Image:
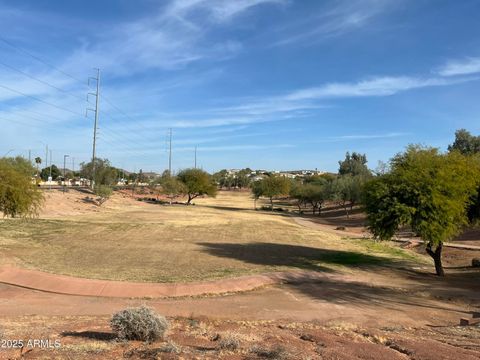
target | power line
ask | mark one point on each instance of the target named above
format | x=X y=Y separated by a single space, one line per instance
x=41 y=81
x=40 y=100
x=39 y=59
x=66 y=74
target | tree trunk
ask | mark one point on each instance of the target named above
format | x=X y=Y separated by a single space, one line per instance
x=346 y=210
x=437 y=257
x=189 y=199
x=271 y=204
x=255 y=203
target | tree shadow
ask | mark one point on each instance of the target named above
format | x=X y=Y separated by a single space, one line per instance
x=425 y=289
x=95 y=335
x=343 y=292
x=296 y=256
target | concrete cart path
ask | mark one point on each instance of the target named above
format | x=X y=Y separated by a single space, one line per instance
x=61 y=284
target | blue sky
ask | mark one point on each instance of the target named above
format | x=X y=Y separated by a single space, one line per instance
x=271 y=84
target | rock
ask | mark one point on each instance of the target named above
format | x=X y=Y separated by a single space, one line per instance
x=343 y=228
x=307 y=337
x=475 y=262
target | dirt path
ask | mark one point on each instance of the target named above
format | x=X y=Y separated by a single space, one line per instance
x=323 y=301
x=61 y=284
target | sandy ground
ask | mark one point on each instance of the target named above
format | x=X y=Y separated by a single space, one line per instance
x=395 y=313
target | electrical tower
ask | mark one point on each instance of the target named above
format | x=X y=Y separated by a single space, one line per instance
x=97 y=96
x=170 y=153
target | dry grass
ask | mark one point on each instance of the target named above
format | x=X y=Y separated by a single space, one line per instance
x=216 y=238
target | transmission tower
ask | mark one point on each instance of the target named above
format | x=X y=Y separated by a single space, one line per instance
x=97 y=96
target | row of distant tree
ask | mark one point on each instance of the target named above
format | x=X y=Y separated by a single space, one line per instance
x=313 y=192
x=436 y=194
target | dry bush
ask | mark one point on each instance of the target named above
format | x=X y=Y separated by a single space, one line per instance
x=229 y=341
x=141 y=323
x=170 y=347
x=277 y=352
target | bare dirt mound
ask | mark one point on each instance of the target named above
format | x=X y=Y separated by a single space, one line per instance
x=81 y=201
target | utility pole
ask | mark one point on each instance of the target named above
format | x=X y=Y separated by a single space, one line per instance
x=64 y=173
x=170 y=154
x=195 y=156
x=46 y=155
x=73 y=170
x=50 y=176
x=97 y=96
x=30 y=156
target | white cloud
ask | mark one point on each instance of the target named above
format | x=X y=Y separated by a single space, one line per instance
x=368 y=136
x=378 y=86
x=173 y=38
x=461 y=67
x=343 y=17
x=220 y=10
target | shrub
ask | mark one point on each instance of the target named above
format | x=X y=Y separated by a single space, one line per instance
x=103 y=192
x=277 y=352
x=170 y=347
x=141 y=323
x=18 y=196
x=229 y=342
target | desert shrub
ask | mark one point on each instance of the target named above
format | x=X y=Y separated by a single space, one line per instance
x=18 y=196
x=170 y=347
x=141 y=323
x=277 y=352
x=229 y=342
x=103 y=192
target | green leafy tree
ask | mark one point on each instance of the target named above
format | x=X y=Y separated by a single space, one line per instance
x=20 y=164
x=426 y=190
x=45 y=173
x=347 y=190
x=19 y=197
x=316 y=194
x=469 y=145
x=298 y=193
x=311 y=193
x=38 y=161
x=172 y=188
x=465 y=143
x=354 y=164
x=274 y=186
x=197 y=182
x=257 y=191
x=242 y=179
x=105 y=174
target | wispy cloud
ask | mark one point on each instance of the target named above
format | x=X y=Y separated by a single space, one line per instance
x=377 y=86
x=341 y=18
x=368 y=136
x=218 y=10
x=236 y=147
x=466 y=66
x=170 y=39
x=297 y=104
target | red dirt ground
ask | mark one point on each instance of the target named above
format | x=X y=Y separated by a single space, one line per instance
x=391 y=314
